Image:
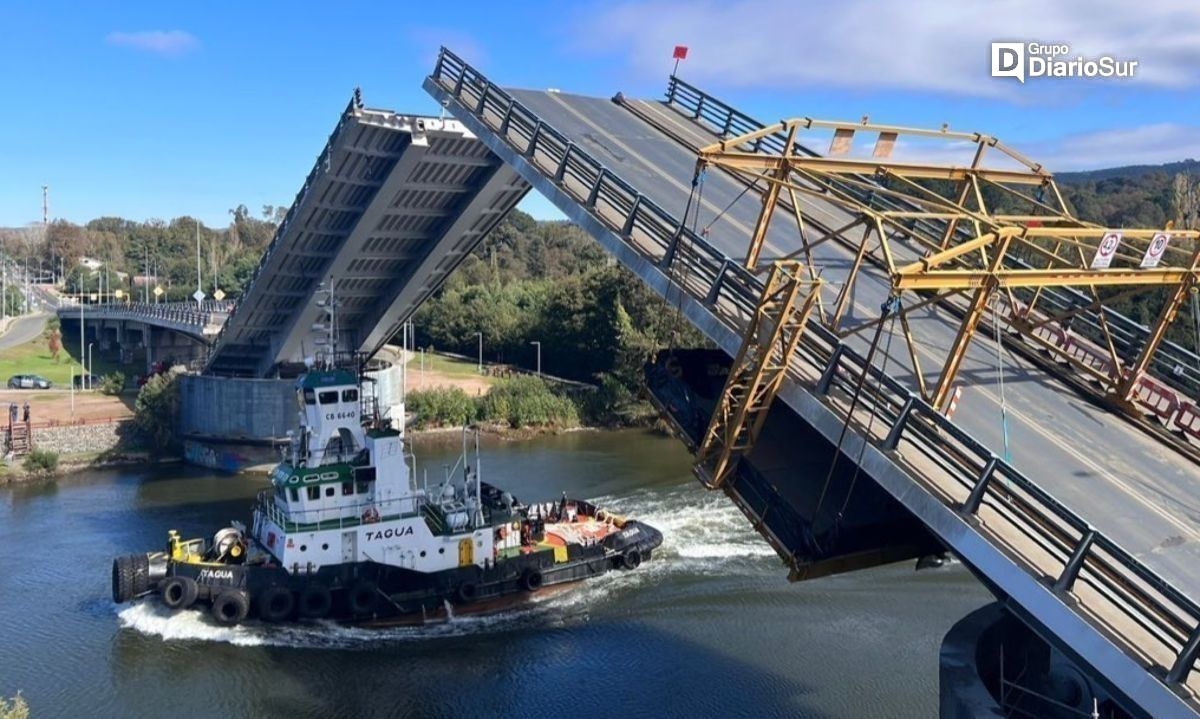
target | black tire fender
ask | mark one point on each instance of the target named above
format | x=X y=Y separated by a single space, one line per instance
x=140 y=564
x=631 y=559
x=230 y=607
x=315 y=602
x=122 y=579
x=532 y=580
x=363 y=597
x=275 y=604
x=467 y=592
x=179 y=592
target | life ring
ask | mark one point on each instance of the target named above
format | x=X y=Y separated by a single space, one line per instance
x=532 y=580
x=631 y=559
x=275 y=604
x=179 y=592
x=467 y=592
x=370 y=516
x=230 y=607
x=363 y=597
x=315 y=601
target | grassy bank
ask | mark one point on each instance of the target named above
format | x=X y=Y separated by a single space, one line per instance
x=34 y=357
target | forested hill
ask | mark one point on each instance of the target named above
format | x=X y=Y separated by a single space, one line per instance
x=1133 y=196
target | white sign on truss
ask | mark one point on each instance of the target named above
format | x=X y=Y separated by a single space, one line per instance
x=1106 y=251
x=1154 y=253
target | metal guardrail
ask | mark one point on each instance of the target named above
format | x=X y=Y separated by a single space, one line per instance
x=1173 y=364
x=1088 y=558
x=187 y=313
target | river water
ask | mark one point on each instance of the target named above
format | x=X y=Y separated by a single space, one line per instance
x=710 y=627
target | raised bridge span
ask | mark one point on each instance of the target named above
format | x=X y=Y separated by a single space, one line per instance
x=1087 y=531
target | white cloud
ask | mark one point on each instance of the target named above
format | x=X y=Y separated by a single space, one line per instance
x=930 y=45
x=169 y=43
x=1145 y=145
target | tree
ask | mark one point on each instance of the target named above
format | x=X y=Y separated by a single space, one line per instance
x=55 y=344
x=156 y=412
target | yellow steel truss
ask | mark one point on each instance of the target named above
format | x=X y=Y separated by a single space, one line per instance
x=943 y=229
x=757 y=372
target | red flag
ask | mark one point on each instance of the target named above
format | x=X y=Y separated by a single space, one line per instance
x=680 y=52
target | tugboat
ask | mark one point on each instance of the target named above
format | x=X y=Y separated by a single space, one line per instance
x=345 y=532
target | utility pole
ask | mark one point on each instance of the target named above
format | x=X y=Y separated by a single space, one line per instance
x=199 y=296
x=480 y=368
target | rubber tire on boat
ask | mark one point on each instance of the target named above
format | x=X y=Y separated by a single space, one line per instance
x=141 y=573
x=179 y=592
x=230 y=607
x=363 y=598
x=467 y=592
x=275 y=604
x=122 y=579
x=532 y=580
x=631 y=559
x=315 y=602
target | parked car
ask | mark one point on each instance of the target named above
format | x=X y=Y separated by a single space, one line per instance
x=28 y=381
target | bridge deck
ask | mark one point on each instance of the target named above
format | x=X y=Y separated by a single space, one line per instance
x=627 y=183
x=1140 y=493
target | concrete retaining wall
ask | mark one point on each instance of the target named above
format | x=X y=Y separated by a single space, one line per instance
x=234 y=409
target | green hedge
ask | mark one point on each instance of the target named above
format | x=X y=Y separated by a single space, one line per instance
x=518 y=402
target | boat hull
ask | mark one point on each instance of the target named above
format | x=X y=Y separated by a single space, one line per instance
x=377 y=593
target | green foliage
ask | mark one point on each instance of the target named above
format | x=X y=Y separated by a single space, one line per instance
x=53 y=324
x=41 y=462
x=440 y=407
x=112 y=383
x=549 y=282
x=527 y=402
x=14 y=708
x=156 y=412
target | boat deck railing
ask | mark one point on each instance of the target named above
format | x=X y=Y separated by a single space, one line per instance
x=310 y=520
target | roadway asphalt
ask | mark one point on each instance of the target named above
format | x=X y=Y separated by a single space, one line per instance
x=1134 y=489
x=22 y=329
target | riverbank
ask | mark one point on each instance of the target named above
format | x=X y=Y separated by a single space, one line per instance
x=70 y=464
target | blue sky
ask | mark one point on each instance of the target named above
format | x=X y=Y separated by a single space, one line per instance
x=162 y=109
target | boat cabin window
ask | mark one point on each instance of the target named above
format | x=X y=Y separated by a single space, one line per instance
x=329 y=491
x=295 y=495
x=328 y=397
x=347 y=489
x=310 y=397
x=360 y=487
x=349 y=395
x=314 y=492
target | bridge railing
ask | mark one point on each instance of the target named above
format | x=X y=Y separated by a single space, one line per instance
x=210 y=312
x=1107 y=580
x=1172 y=363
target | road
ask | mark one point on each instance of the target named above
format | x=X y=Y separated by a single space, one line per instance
x=1134 y=489
x=23 y=329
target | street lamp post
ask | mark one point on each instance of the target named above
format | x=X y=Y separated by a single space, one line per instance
x=539 y=356
x=480 y=368
x=87 y=382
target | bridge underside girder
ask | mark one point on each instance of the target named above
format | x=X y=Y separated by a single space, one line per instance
x=392 y=205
